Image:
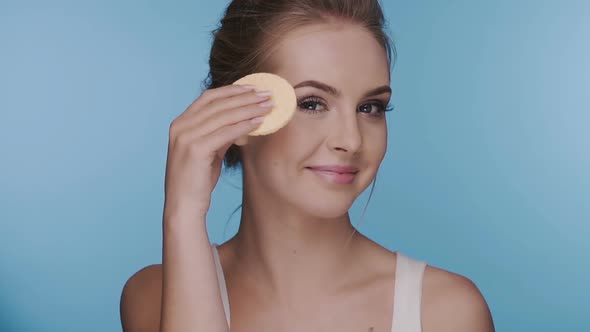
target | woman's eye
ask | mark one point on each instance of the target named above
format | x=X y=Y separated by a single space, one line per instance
x=312 y=105
x=374 y=108
x=316 y=105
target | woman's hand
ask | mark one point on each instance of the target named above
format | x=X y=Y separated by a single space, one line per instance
x=199 y=138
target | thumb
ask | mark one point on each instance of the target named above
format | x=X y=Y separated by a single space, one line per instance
x=243 y=140
x=221 y=152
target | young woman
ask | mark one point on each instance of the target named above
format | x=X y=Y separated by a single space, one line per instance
x=296 y=263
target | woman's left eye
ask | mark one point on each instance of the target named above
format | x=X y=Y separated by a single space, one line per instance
x=316 y=105
x=376 y=108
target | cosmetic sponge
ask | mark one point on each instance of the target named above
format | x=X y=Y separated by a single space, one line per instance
x=283 y=96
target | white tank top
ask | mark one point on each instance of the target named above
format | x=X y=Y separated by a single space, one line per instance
x=407 y=292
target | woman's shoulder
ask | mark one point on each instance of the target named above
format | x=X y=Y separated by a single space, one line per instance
x=141 y=299
x=453 y=302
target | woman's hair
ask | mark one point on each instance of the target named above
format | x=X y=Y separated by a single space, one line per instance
x=250 y=28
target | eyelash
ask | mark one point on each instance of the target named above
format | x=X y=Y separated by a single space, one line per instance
x=317 y=100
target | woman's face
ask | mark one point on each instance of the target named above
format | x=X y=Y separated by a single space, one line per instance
x=341 y=78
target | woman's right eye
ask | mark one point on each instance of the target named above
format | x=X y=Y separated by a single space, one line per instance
x=310 y=105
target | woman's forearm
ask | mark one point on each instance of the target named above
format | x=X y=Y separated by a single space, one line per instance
x=191 y=300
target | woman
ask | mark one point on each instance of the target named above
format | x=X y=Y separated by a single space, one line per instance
x=293 y=265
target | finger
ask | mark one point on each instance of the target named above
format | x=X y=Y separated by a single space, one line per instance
x=221 y=106
x=211 y=95
x=208 y=96
x=223 y=137
x=230 y=117
x=249 y=98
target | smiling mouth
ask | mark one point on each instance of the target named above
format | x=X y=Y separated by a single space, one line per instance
x=334 y=177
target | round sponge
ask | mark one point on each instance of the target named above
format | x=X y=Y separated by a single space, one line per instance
x=283 y=96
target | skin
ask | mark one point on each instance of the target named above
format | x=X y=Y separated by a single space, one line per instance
x=288 y=268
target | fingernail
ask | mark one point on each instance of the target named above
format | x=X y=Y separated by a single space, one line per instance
x=259 y=119
x=264 y=93
x=267 y=103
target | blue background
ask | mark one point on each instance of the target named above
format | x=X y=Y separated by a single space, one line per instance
x=486 y=175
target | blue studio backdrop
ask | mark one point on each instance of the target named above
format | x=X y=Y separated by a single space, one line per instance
x=487 y=172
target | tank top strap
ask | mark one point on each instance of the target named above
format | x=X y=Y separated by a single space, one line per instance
x=407 y=299
x=221 y=280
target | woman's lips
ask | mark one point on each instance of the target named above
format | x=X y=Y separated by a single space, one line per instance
x=334 y=177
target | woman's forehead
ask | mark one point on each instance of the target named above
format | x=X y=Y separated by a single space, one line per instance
x=335 y=53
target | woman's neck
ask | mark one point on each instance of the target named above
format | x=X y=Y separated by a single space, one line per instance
x=292 y=253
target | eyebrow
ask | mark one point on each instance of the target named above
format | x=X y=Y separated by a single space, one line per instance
x=335 y=92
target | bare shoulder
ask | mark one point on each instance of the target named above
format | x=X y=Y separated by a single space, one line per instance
x=452 y=302
x=141 y=300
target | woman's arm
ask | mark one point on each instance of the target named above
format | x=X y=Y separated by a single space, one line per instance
x=191 y=300
x=189 y=289
x=182 y=294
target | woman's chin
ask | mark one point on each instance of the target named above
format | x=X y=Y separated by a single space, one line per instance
x=326 y=209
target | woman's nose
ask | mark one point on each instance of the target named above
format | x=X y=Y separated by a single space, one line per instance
x=345 y=135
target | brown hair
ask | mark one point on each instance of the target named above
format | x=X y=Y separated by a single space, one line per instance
x=250 y=26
